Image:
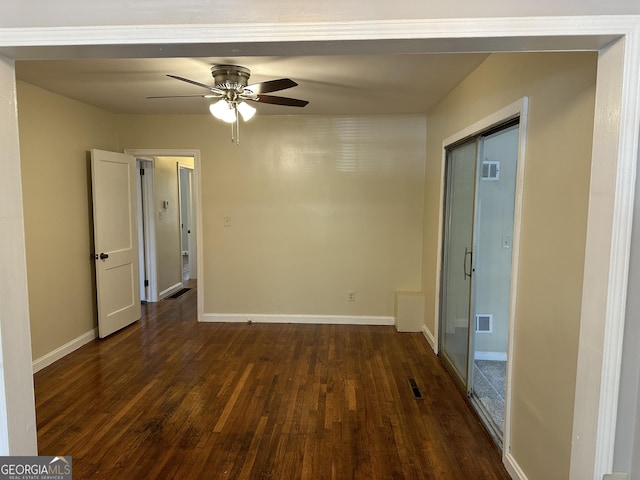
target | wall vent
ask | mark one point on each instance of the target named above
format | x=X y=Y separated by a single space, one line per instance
x=490 y=170
x=484 y=323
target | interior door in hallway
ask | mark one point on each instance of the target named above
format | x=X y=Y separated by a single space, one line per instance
x=116 y=240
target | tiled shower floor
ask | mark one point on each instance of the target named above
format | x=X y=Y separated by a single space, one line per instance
x=489 y=387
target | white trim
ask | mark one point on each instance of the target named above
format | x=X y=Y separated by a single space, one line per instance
x=66 y=349
x=171 y=290
x=144 y=290
x=620 y=254
x=513 y=468
x=494 y=356
x=431 y=339
x=147 y=229
x=612 y=193
x=515 y=263
x=308 y=319
x=149 y=219
x=18 y=434
x=478 y=34
x=192 y=252
x=440 y=253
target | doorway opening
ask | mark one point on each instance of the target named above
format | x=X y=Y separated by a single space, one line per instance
x=167 y=220
x=479 y=260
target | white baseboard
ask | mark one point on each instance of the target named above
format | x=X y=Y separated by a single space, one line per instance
x=430 y=338
x=513 y=468
x=67 y=348
x=169 y=291
x=496 y=356
x=309 y=319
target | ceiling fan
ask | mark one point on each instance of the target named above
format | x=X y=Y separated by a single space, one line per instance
x=231 y=87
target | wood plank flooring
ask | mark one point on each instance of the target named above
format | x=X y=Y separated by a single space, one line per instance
x=170 y=398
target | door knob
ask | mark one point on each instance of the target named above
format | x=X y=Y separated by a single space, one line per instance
x=103 y=256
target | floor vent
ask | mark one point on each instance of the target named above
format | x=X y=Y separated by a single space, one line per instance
x=179 y=292
x=414 y=388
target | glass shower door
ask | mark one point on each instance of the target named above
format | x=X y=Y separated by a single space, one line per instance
x=458 y=257
x=493 y=243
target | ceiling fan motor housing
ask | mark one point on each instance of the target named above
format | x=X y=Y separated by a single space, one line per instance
x=230 y=76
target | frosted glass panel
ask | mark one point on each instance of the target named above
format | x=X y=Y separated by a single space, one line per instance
x=493 y=240
x=456 y=284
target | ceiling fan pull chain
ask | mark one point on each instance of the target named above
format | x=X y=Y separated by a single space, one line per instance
x=237 y=126
x=235 y=130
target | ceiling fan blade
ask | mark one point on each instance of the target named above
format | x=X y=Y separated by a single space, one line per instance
x=288 y=102
x=211 y=95
x=193 y=82
x=271 y=86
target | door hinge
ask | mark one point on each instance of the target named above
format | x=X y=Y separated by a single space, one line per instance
x=142 y=171
x=146 y=283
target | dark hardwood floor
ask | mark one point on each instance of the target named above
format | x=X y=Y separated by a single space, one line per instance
x=170 y=398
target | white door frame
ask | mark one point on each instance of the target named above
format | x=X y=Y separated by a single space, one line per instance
x=615 y=150
x=193 y=229
x=197 y=200
x=148 y=224
x=18 y=434
x=142 y=251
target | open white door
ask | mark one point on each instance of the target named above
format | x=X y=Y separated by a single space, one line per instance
x=115 y=230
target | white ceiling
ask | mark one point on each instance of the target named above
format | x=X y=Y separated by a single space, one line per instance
x=334 y=85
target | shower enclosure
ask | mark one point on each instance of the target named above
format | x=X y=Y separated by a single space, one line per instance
x=476 y=268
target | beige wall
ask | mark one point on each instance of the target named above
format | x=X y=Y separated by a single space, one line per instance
x=318 y=206
x=55 y=135
x=168 y=246
x=561 y=91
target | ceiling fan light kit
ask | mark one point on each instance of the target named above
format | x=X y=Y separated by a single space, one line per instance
x=232 y=89
x=224 y=111
x=246 y=110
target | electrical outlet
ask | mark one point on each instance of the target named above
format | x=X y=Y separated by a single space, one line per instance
x=227 y=221
x=351 y=296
